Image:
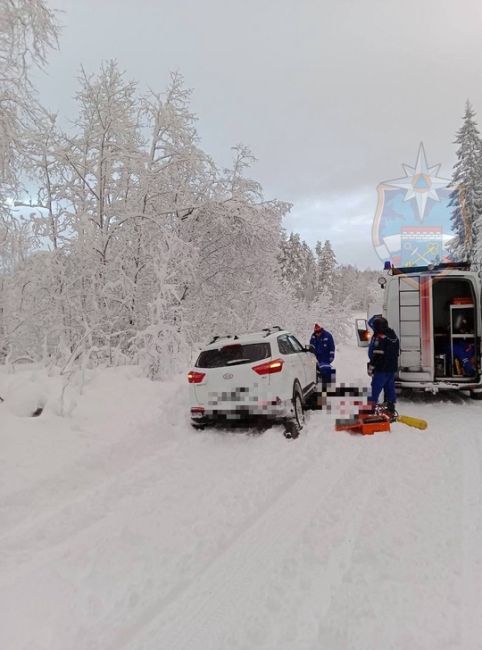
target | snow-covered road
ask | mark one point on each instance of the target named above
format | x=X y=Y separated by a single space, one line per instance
x=122 y=528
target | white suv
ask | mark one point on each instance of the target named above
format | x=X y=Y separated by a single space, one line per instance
x=266 y=374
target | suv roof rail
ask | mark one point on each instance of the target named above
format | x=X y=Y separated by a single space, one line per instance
x=223 y=336
x=270 y=330
x=235 y=337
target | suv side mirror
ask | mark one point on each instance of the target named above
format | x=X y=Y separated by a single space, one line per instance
x=362 y=334
x=310 y=348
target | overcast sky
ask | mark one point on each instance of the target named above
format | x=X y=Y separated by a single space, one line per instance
x=332 y=97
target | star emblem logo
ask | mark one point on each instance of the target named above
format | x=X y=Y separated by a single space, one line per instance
x=412 y=224
x=421 y=182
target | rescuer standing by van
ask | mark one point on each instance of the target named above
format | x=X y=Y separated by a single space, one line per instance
x=383 y=353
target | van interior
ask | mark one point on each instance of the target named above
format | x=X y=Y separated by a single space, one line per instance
x=454 y=323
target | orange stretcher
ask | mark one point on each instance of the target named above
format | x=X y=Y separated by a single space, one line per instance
x=367 y=425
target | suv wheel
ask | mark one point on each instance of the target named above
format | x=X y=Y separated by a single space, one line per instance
x=294 y=424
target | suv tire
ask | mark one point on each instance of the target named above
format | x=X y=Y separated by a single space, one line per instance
x=294 y=424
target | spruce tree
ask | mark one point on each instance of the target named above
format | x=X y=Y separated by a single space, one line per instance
x=298 y=267
x=326 y=263
x=466 y=195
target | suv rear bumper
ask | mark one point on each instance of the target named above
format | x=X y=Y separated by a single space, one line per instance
x=435 y=386
x=272 y=410
x=234 y=420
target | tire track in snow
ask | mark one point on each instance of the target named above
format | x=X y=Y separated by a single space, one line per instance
x=33 y=544
x=29 y=549
x=115 y=480
x=472 y=534
x=291 y=614
x=64 y=558
x=236 y=574
x=354 y=500
x=404 y=589
x=142 y=437
x=106 y=464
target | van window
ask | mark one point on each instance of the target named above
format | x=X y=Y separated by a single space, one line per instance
x=234 y=354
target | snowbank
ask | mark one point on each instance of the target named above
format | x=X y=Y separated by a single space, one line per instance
x=100 y=408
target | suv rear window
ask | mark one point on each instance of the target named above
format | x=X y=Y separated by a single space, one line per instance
x=234 y=354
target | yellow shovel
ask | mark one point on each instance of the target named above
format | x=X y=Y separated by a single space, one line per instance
x=418 y=423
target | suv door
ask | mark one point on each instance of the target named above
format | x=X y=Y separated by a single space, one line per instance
x=293 y=366
x=307 y=361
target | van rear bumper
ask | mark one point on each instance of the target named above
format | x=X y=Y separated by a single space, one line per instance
x=435 y=386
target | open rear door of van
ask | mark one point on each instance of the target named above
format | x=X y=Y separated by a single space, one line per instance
x=416 y=340
x=362 y=333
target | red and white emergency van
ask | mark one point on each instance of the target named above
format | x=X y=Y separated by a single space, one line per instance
x=437 y=314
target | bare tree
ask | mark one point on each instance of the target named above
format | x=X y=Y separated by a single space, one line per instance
x=28 y=30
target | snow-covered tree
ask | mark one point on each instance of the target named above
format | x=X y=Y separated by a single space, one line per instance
x=359 y=287
x=237 y=236
x=28 y=30
x=326 y=267
x=298 y=267
x=466 y=196
x=145 y=247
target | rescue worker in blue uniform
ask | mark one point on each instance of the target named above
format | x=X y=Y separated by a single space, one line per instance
x=324 y=346
x=463 y=349
x=464 y=357
x=383 y=353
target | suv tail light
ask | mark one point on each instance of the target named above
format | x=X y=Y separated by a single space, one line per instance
x=195 y=377
x=269 y=367
x=197 y=411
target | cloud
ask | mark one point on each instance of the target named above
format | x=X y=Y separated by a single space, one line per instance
x=345 y=220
